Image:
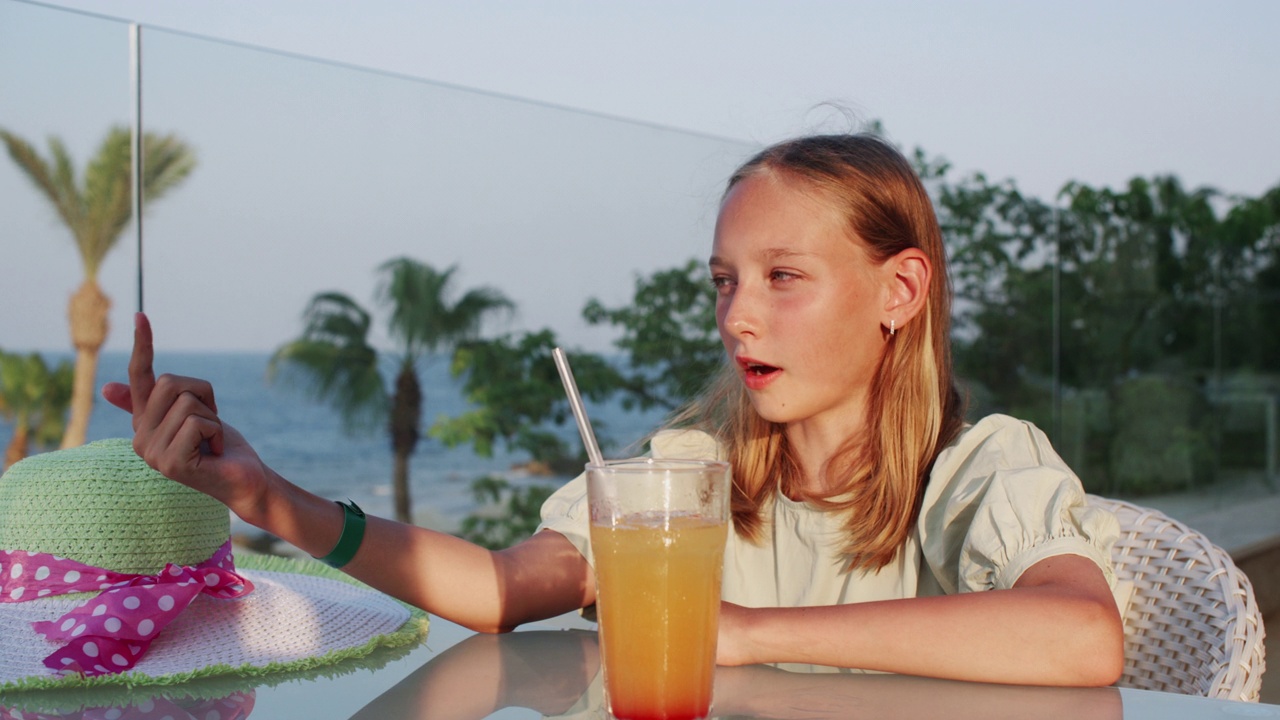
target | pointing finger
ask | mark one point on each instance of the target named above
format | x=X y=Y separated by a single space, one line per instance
x=142 y=376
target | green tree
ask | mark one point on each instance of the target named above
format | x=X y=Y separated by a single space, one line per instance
x=508 y=514
x=1251 y=228
x=670 y=348
x=1145 y=266
x=1137 y=282
x=96 y=208
x=517 y=399
x=669 y=336
x=334 y=361
x=1000 y=247
x=34 y=399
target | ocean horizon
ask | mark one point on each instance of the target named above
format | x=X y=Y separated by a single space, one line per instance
x=304 y=440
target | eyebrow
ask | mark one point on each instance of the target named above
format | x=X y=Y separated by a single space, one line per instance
x=772 y=255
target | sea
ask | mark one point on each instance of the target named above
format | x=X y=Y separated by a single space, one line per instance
x=305 y=442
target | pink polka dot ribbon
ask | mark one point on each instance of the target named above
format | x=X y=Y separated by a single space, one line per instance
x=111 y=632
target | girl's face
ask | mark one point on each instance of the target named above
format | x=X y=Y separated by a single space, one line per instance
x=800 y=305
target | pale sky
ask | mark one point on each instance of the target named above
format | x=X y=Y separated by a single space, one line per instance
x=311 y=174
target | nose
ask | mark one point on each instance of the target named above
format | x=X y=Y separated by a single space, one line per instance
x=739 y=313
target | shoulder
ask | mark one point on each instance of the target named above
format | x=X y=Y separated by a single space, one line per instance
x=688 y=444
x=994 y=443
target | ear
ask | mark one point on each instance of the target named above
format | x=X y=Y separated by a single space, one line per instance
x=907 y=277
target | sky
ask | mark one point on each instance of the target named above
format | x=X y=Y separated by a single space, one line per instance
x=557 y=149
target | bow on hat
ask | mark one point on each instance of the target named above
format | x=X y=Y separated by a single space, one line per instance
x=112 y=631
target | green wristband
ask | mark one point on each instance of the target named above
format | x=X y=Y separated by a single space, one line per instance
x=352 y=535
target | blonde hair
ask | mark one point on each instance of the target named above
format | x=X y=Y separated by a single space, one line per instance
x=878 y=477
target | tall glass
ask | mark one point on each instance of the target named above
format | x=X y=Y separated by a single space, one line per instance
x=658 y=530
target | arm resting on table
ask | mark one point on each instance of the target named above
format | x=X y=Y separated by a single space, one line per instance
x=1058 y=625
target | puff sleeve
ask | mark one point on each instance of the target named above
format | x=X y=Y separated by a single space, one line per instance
x=1000 y=500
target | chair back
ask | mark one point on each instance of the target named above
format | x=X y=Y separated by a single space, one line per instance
x=1192 y=625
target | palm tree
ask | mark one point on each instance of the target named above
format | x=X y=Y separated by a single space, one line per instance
x=96 y=209
x=334 y=362
x=34 y=399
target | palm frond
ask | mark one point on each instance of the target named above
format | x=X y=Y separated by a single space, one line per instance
x=53 y=177
x=333 y=362
x=97 y=212
x=422 y=317
x=167 y=162
x=415 y=293
x=466 y=315
x=107 y=198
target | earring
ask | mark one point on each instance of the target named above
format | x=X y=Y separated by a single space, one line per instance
x=892 y=326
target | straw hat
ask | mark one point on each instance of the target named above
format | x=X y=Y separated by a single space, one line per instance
x=111 y=573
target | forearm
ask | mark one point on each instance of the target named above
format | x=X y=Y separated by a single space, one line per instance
x=442 y=574
x=1058 y=626
x=178 y=432
x=1012 y=636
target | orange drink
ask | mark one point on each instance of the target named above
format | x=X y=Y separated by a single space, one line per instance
x=659 y=642
x=658 y=531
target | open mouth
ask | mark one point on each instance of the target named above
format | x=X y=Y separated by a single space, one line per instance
x=757 y=369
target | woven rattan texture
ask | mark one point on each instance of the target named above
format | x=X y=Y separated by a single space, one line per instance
x=102 y=505
x=1192 y=625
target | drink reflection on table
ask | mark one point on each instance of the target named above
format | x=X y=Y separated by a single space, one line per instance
x=557 y=673
x=546 y=671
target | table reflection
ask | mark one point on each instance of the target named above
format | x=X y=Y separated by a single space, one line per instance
x=231 y=696
x=176 y=705
x=557 y=674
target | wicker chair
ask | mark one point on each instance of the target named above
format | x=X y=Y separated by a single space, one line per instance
x=1192 y=625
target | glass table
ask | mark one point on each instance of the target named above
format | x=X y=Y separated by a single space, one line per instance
x=551 y=669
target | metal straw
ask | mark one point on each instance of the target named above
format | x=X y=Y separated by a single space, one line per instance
x=575 y=403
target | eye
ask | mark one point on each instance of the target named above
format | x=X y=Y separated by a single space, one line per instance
x=782 y=276
x=722 y=283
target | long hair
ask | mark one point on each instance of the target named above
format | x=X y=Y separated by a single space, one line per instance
x=877 y=477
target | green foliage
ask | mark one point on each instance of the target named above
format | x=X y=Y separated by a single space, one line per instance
x=1162 y=438
x=1148 y=280
x=423 y=318
x=669 y=336
x=670 y=349
x=670 y=346
x=515 y=389
x=334 y=362
x=97 y=207
x=34 y=399
x=508 y=513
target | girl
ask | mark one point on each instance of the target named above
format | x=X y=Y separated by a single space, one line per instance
x=872 y=528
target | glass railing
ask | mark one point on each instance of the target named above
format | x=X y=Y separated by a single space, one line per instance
x=309 y=175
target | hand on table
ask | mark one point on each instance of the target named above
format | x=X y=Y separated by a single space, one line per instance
x=178 y=432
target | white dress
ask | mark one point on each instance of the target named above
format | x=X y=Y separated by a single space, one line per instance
x=998 y=501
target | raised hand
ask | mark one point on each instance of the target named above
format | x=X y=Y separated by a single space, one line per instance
x=178 y=432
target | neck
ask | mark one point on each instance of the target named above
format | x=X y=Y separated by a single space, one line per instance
x=813 y=445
